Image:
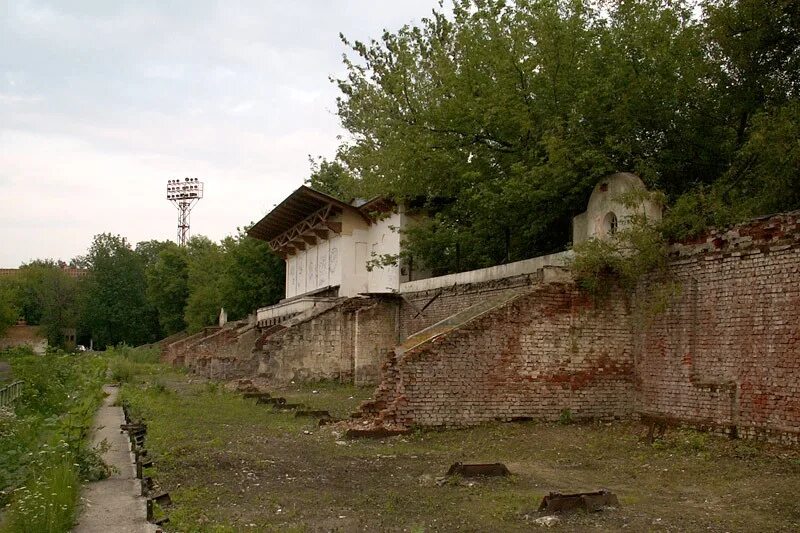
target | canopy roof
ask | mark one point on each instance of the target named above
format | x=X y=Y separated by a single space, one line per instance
x=298 y=206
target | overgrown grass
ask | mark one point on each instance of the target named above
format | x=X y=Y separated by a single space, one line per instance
x=126 y=364
x=233 y=465
x=43 y=441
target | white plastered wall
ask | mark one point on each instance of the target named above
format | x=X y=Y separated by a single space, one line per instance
x=316 y=267
x=604 y=206
x=384 y=239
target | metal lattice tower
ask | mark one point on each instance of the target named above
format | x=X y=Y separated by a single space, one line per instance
x=184 y=194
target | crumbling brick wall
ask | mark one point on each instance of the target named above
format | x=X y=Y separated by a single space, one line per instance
x=447 y=301
x=375 y=334
x=228 y=354
x=344 y=343
x=546 y=354
x=725 y=354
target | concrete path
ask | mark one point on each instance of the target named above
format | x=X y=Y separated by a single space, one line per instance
x=113 y=504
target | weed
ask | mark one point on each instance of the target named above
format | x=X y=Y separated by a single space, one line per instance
x=122 y=370
x=43 y=453
x=565 y=417
x=46 y=503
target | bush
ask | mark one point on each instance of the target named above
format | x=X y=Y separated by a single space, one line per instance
x=43 y=449
x=622 y=260
x=122 y=370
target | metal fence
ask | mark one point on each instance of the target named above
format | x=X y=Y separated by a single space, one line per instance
x=11 y=392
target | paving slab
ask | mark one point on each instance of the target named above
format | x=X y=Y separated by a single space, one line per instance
x=113 y=504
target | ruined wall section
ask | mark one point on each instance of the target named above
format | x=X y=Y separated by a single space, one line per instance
x=447 y=301
x=725 y=354
x=715 y=344
x=546 y=353
x=345 y=343
x=228 y=354
x=375 y=335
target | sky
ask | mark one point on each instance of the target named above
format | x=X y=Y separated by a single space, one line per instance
x=103 y=101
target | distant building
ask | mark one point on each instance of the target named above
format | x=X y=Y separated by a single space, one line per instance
x=71 y=271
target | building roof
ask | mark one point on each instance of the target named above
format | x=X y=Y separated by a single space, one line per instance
x=298 y=206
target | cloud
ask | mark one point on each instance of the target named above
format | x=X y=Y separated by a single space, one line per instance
x=102 y=102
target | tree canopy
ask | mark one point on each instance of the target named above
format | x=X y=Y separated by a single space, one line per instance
x=511 y=112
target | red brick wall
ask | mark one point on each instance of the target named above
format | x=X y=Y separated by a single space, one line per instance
x=539 y=356
x=726 y=352
x=722 y=353
x=375 y=335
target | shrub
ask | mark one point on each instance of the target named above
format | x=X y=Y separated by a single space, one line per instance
x=122 y=370
x=43 y=449
x=623 y=259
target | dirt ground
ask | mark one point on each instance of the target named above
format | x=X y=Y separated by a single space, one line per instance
x=232 y=465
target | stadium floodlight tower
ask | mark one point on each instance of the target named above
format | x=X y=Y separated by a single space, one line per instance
x=184 y=194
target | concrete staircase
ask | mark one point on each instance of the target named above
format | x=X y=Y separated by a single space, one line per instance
x=381 y=410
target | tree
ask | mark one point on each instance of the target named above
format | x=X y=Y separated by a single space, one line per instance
x=332 y=178
x=206 y=264
x=8 y=310
x=511 y=112
x=46 y=296
x=253 y=276
x=167 y=286
x=114 y=302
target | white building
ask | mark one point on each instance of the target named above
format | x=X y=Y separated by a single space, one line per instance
x=331 y=247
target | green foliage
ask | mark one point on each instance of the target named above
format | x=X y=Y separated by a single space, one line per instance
x=8 y=308
x=168 y=288
x=253 y=275
x=47 y=505
x=127 y=364
x=43 y=445
x=565 y=417
x=331 y=177
x=43 y=294
x=114 y=302
x=512 y=111
x=122 y=370
x=206 y=267
x=623 y=259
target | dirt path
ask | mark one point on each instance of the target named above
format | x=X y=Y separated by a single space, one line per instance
x=113 y=504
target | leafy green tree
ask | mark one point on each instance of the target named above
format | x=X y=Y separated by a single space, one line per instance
x=511 y=112
x=331 y=177
x=253 y=276
x=114 y=301
x=515 y=110
x=46 y=296
x=206 y=265
x=8 y=309
x=167 y=286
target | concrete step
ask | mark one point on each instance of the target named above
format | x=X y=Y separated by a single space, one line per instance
x=457 y=320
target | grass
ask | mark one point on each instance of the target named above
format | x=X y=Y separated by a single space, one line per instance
x=232 y=465
x=337 y=398
x=47 y=503
x=44 y=453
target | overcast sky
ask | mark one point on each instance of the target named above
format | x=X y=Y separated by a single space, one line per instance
x=103 y=101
